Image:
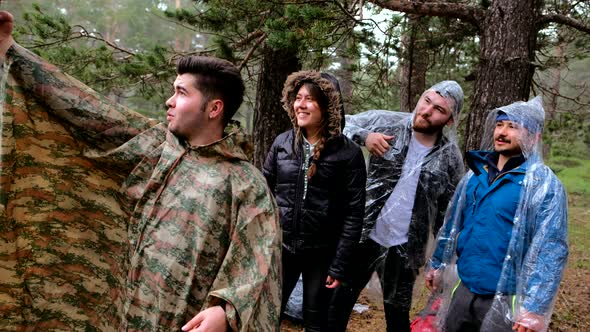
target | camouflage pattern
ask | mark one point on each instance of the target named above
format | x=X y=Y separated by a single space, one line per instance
x=109 y=222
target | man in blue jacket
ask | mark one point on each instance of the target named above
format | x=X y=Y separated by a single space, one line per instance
x=506 y=230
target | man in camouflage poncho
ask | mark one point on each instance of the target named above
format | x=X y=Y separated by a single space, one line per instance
x=111 y=221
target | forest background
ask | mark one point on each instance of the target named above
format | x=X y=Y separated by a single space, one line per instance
x=385 y=53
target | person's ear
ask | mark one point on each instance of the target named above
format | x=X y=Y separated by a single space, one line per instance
x=451 y=121
x=215 y=109
x=538 y=137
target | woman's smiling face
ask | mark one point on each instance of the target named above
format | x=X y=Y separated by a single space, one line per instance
x=307 y=110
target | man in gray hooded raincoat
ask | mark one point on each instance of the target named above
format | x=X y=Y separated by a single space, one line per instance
x=413 y=169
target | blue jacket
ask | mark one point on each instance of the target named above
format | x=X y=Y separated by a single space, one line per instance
x=510 y=236
x=487 y=225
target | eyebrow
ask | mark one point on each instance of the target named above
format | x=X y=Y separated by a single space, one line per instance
x=304 y=95
x=179 y=87
x=438 y=106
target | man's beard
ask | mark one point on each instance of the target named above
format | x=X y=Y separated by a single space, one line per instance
x=427 y=127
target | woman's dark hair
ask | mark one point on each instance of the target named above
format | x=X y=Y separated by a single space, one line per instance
x=215 y=78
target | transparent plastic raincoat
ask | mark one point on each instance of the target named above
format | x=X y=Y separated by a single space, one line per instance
x=439 y=172
x=527 y=208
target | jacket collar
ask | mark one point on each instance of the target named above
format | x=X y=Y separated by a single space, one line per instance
x=478 y=160
x=235 y=144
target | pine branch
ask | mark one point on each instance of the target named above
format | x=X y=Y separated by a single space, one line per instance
x=346 y=12
x=251 y=51
x=565 y=20
x=83 y=34
x=251 y=36
x=466 y=13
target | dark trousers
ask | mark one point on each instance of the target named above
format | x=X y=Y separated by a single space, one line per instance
x=396 y=280
x=313 y=266
x=467 y=312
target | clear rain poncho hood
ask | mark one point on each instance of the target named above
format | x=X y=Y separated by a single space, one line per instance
x=532 y=266
x=528 y=115
x=452 y=92
x=438 y=173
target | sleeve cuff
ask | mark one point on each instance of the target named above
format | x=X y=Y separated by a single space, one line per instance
x=231 y=316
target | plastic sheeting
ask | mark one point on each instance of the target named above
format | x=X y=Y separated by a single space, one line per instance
x=537 y=250
x=294 y=307
x=438 y=172
x=390 y=122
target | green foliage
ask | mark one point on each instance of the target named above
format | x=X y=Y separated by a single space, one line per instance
x=280 y=35
x=122 y=49
x=115 y=48
x=579 y=228
x=136 y=66
x=223 y=49
x=574 y=173
x=45 y=26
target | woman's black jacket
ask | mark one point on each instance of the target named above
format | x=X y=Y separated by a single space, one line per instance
x=331 y=216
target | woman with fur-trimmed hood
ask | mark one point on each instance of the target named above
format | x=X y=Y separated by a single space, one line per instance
x=318 y=178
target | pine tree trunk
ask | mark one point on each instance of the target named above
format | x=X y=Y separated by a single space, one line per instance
x=505 y=72
x=414 y=62
x=269 y=117
x=344 y=74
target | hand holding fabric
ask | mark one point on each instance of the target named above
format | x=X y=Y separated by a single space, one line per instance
x=432 y=279
x=529 y=322
x=377 y=143
x=211 y=319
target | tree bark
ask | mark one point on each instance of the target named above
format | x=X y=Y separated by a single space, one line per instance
x=508 y=34
x=344 y=74
x=505 y=70
x=269 y=117
x=414 y=62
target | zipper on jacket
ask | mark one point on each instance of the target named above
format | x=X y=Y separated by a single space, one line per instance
x=514 y=170
x=474 y=199
x=298 y=200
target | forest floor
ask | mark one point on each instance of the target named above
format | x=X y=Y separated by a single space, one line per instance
x=572 y=308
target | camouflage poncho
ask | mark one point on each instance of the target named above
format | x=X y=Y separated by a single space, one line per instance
x=109 y=222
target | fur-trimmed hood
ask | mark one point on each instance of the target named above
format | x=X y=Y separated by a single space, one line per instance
x=335 y=109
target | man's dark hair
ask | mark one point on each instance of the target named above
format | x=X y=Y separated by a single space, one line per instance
x=215 y=78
